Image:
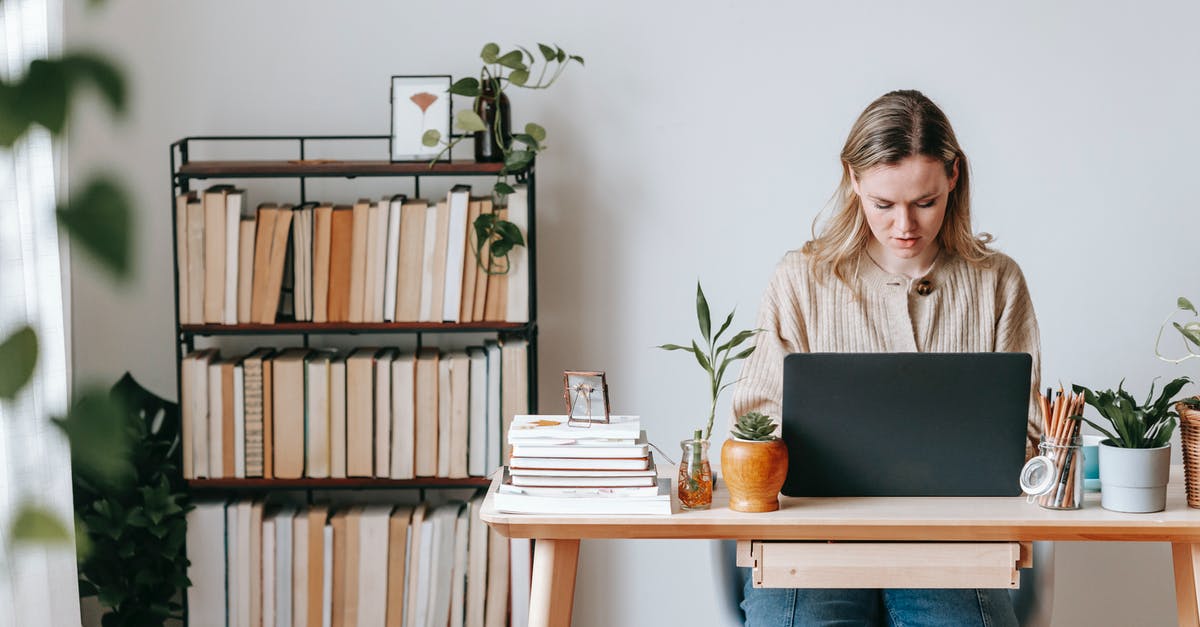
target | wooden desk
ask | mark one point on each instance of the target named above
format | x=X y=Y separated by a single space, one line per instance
x=556 y=551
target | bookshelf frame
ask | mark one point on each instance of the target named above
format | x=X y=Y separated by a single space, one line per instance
x=185 y=171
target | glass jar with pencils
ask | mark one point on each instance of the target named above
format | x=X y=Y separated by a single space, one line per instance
x=1055 y=477
x=695 y=482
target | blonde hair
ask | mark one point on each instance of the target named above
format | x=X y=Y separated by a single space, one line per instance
x=897 y=125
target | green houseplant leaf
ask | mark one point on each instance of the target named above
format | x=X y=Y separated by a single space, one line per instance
x=18 y=358
x=37 y=525
x=100 y=219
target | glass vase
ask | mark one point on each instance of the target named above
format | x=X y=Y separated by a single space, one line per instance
x=497 y=120
x=695 y=484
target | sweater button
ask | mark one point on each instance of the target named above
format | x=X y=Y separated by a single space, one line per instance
x=924 y=287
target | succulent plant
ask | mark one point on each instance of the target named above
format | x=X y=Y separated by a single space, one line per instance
x=754 y=427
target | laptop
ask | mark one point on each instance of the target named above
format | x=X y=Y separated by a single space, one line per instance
x=905 y=424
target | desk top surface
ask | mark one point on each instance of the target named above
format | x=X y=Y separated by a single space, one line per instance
x=873 y=518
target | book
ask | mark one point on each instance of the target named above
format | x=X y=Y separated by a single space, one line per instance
x=360 y=412
x=445 y=406
x=376 y=227
x=581 y=463
x=268 y=419
x=391 y=257
x=337 y=417
x=496 y=603
x=289 y=407
x=317 y=415
x=241 y=565
x=214 y=253
x=254 y=410
x=460 y=395
x=496 y=301
x=322 y=243
x=216 y=464
x=300 y=558
x=277 y=263
x=418 y=528
x=470 y=264
x=194 y=413
x=255 y=579
x=529 y=429
x=206 y=569
x=428 y=263
x=268 y=570
x=657 y=505
x=477 y=556
x=302 y=249
x=456 y=233
x=481 y=274
x=582 y=491
x=557 y=481
x=441 y=571
x=517 y=279
x=340 y=588
x=397 y=561
x=514 y=395
x=315 y=592
x=284 y=519
x=426 y=441
x=583 y=448
x=196 y=250
x=403 y=416
x=228 y=419
x=327 y=577
x=410 y=265
x=477 y=413
x=264 y=239
x=583 y=473
x=181 y=255
x=233 y=212
x=358 y=259
x=341 y=230
x=353 y=554
x=383 y=411
x=495 y=441
x=374 y=548
x=239 y=421
x=458 y=573
x=245 y=268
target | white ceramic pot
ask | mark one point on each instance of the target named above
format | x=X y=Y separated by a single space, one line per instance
x=1134 y=479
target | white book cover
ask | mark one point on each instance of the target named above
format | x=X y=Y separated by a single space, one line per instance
x=583 y=448
x=239 y=421
x=383 y=412
x=582 y=463
x=431 y=220
x=283 y=566
x=458 y=575
x=424 y=566
x=445 y=409
x=373 y=566
x=520 y=563
x=268 y=571
x=243 y=564
x=555 y=428
x=181 y=257
x=441 y=571
x=327 y=584
x=533 y=481
x=413 y=554
x=393 y=258
x=371 y=298
x=657 y=505
x=215 y=421
x=570 y=474
x=477 y=557
x=337 y=417
x=317 y=450
x=477 y=414
x=518 y=257
x=200 y=413
x=232 y=581
x=234 y=201
x=567 y=492
x=403 y=416
x=496 y=609
x=300 y=557
x=494 y=441
x=458 y=198
x=379 y=288
x=206 y=570
x=460 y=410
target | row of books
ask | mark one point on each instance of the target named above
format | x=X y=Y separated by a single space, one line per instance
x=560 y=466
x=371 y=412
x=424 y=565
x=397 y=259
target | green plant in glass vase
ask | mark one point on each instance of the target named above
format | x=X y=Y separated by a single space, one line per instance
x=488 y=121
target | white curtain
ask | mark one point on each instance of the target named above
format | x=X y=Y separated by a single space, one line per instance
x=37 y=584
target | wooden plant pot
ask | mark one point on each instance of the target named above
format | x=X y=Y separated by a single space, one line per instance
x=754 y=473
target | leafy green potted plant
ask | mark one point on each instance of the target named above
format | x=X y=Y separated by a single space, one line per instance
x=695 y=481
x=1135 y=455
x=1188 y=408
x=754 y=463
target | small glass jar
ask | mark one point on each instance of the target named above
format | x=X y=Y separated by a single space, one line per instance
x=695 y=482
x=1055 y=477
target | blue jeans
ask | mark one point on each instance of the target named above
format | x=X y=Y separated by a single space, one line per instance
x=782 y=607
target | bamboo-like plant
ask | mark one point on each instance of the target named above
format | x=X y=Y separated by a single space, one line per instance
x=714 y=358
x=1191 y=340
x=1148 y=425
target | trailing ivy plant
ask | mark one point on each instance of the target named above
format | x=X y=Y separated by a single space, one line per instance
x=714 y=358
x=97 y=217
x=501 y=70
x=1191 y=341
x=136 y=530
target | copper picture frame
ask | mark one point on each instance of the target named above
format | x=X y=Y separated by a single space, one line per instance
x=586 y=397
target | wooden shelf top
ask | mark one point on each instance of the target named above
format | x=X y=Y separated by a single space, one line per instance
x=334 y=167
x=352 y=327
x=336 y=484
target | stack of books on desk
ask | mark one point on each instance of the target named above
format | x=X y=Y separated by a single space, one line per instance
x=560 y=468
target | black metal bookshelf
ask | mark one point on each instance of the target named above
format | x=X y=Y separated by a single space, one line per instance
x=186 y=171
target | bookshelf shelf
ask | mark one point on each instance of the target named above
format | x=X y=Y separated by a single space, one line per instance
x=315 y=328
x=336 y=484
x=333 y=168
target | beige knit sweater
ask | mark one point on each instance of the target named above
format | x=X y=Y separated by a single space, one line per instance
x=969 y=309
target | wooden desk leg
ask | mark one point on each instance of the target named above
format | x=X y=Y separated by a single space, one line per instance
x=553 y=588
x=1186 y=558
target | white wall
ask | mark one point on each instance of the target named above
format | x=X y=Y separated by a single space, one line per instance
x=699 y=142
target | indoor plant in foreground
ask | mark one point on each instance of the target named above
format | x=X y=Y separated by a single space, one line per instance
x=1135 y=455
x=754 y=463
x=1188 y=408
x=695 y=480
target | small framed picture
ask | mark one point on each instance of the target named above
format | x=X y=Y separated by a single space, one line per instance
x=586 y=394
x=419 y=104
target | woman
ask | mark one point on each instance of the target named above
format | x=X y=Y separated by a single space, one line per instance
x=896 y=268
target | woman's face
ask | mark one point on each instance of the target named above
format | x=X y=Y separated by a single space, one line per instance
x=905 y=204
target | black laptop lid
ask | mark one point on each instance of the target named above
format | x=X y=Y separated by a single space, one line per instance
x=905 y=424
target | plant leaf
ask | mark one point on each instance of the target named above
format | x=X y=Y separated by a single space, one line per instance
x=18 y=358
x=535 y=131
x=547 y=52
x=34 y=524
x=673 y=347
x=527 y=139
x=702 y=315
x=469 y=121
x=100 y=219
x=1185 y=304
x=503 y=189
x=431 y=137
x=517 y=160
x=45 y=93
x=512 y=60
x=701 y=358
x=519 y=77
x=100 y=442
x=744 y=354
x=578 y=58
x=1190 y=334
x=736 y=340
x=724 y=325
x=489 y=53
x=101 y=74
x=468 y=87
